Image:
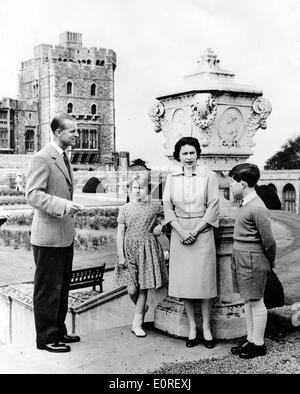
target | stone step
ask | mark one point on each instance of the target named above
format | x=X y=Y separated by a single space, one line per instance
x=110 y=351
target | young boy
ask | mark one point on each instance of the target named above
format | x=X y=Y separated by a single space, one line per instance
x=254 y=251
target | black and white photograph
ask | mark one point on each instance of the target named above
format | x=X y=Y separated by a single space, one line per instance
x=149 y=190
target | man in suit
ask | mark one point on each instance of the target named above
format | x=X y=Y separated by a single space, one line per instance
x=49 y=190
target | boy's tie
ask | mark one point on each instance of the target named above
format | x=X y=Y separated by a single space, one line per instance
x=241 y=203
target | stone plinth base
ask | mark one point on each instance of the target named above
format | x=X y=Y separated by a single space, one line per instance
x=228 y=321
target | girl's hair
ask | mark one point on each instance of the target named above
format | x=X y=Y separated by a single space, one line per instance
x=142 y=178
x=186 y=141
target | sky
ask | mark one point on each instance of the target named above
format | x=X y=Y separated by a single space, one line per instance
x=158 y=42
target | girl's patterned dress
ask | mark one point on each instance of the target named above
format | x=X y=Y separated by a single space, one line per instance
x=145 y=265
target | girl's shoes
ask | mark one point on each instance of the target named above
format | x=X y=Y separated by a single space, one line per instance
x=138 y=331
x=137 y=325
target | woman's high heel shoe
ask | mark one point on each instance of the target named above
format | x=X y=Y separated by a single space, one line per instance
x=193 y=342
x=210 y=343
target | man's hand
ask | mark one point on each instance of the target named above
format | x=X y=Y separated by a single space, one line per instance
x=73 y=207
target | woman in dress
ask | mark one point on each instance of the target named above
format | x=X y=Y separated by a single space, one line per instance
x=191 y=206
x=141 y=265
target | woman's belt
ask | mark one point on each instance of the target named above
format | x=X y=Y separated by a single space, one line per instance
x=191 y=215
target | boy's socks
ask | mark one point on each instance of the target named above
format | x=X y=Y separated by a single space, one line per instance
x=260 y=314
x=249 y=321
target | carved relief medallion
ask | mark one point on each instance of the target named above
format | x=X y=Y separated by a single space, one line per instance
x=180 y=124
x=231 y=127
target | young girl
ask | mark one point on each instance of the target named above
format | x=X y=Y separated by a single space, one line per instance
x=140 y=263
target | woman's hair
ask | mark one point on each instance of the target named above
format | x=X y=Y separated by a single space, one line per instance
x=186 y=141
x=142 y=178
x=246 y=172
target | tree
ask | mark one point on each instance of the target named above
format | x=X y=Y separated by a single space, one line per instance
x=286 y=159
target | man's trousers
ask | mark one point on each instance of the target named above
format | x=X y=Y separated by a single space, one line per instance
x=51 y=290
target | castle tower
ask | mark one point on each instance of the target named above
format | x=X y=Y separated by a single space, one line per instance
x=68 y=78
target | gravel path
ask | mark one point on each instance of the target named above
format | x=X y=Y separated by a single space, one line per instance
x=283 y=357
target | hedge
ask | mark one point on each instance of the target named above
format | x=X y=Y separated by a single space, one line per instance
x=12 y=200
x=6 y=192
x=19 y=237
x=94 y=219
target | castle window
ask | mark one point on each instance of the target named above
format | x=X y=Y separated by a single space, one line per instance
x=98 y=63
x=3 y=137
x=35 y=90
x=88 y=62
x=69 y=88
x=85 y=139
x=102 y=63
x=79 y=61
x=93 y=90
x=83 y=61
x=88 y=139
x=94 y=109
x=70 y=108
x=29 y=140
x=59 y=59
x=93 y=139
x=78 y=140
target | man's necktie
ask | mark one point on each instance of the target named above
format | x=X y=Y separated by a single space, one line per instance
x=67 y=163
x=241 y=203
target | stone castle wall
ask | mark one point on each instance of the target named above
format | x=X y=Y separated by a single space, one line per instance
x=45 y=77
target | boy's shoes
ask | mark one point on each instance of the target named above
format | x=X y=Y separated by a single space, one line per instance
x=236 y=350
x=138 y=331
x=254 y=351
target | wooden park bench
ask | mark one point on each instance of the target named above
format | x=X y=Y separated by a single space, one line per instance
x=87 y=277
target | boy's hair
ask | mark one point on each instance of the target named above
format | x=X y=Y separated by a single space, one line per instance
x=142 y=178
x=246 y=172
x=186 y=141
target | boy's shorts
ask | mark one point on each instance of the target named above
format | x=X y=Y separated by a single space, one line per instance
x=249 y=274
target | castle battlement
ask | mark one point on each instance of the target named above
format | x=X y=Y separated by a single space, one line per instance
x=70 y=49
